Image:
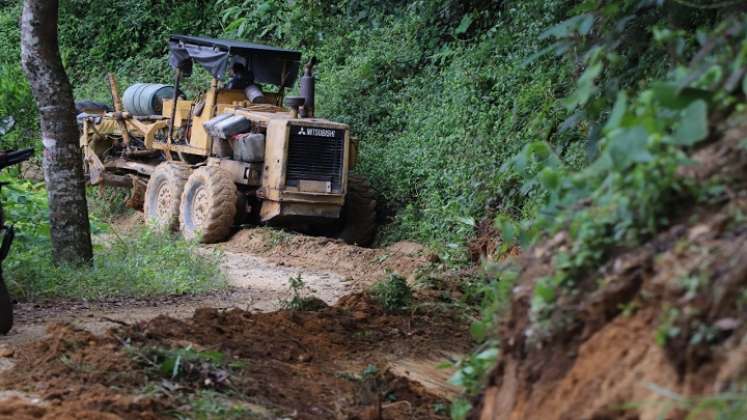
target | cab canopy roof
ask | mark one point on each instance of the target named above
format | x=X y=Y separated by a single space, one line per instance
x=271 y=65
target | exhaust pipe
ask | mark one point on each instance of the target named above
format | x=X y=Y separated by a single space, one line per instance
x=307 y=89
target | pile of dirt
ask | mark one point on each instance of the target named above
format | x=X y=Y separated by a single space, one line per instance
x=73 y=374
x=667 y=319
x=336 y=362
x=364 y=266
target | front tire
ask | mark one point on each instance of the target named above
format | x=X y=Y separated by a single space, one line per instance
x=209 y=205
x=359 y=213
x=163 y=195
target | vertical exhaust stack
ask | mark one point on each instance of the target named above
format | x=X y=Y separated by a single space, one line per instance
x=308 y=84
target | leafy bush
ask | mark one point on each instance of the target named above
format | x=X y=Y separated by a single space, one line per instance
x=303 y=298
x=393 y=293
x=106 y=203
x=629 y=191
x=625 y=195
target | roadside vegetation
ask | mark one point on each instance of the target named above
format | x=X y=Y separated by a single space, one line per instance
x=135 y=263
x=634 y=187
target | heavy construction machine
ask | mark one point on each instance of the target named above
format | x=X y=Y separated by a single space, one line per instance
x=234 y=154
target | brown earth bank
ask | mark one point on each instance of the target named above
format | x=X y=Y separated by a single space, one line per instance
x=363 y=266
x=657 y=327
x=352 y=360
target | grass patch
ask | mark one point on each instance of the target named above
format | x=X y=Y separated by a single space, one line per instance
x=207 y=404
x=140 y=263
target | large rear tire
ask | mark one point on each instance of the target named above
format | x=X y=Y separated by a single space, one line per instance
x=163 y=195
x=359 y=213
x=209 y=205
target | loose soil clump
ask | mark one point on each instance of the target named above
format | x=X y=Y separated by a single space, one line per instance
x=330 y=363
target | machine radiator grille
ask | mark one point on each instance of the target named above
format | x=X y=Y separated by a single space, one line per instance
x=315 y=155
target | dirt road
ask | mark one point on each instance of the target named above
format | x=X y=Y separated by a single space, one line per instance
x=257 y=265
x=298 y=364
x=255 y=284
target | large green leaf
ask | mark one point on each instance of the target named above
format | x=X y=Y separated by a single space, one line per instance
x=464 y=24
x=693 y=125
x=629 y=146
x=618 y=112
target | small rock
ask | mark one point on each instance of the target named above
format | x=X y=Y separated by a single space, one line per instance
x=304 y=358
x=698 y=231
x=6 y=351
x=727 y=324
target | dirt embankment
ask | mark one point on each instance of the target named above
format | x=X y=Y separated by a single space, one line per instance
x=661 y=325
x=362 y=266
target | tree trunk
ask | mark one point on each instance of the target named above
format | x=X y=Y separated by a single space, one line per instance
x=63 y=163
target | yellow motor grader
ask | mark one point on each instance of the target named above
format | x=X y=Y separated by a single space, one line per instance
x=241 y=152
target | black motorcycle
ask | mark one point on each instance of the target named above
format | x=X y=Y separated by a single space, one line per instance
x=6 y=305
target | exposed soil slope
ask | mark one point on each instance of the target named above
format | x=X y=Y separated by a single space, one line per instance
x=668 y=318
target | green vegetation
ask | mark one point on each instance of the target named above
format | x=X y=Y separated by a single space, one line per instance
x=392 y=293
x=208 y=405
x=134 y=263
x=107 y=203
x=438 y=116
x=303 y=296
x=627 y=192
x=142 y=263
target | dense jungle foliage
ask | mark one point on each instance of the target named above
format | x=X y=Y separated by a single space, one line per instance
x=442 y=94
x=538 y=116
x=447 y=97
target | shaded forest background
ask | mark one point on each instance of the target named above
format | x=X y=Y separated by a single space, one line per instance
x=443 y=94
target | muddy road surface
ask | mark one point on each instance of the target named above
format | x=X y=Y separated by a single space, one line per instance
x=239 y=353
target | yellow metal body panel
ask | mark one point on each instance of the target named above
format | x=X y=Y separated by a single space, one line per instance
x=274 y=192
x=307 y=199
